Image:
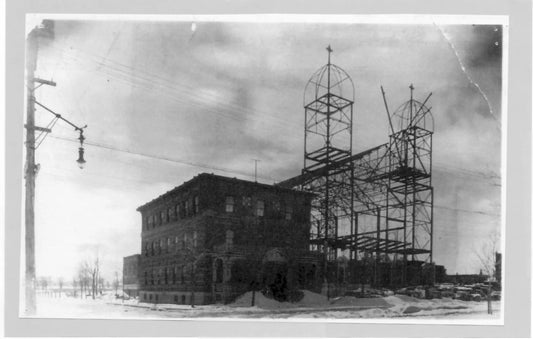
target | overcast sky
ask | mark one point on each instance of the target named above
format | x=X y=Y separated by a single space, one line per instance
x=217 y=95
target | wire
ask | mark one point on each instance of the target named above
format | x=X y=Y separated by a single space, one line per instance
x=159 y=157
x=466 y=211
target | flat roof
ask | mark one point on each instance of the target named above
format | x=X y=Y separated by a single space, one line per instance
x=203 y=176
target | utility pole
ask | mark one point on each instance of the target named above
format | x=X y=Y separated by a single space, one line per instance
x=256 y=161
x=31 y=169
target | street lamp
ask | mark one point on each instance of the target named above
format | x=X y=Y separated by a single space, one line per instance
x=81 y=161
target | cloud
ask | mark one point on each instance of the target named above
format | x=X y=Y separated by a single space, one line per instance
x=228 y=93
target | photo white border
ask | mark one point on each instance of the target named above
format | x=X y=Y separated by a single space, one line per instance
x=331 y=19
x=518 y=321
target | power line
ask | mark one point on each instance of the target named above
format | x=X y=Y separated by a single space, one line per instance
x=466 y=211
x=227 y=170
x=159 y=157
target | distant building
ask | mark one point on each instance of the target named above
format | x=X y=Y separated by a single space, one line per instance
x=214 y=238
x=130 y=275
x=467 y=279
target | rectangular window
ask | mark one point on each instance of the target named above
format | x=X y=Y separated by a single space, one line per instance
x=171 y=215
x=247 y=201
x=163 y=217
x=230 y=202
x=168 y=244
x=185 y=240
x=178 y=211
x=195 y=239
x=276 y=206
x=150 y=221
x=186 y=207
x=288 y=212
x=260 y=211
x=196 y=204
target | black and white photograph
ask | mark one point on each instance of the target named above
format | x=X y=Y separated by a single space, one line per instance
x=267 y=167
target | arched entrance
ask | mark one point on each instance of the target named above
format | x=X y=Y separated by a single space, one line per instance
x=275 y=271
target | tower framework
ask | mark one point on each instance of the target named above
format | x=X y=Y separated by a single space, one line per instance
x=377 y=203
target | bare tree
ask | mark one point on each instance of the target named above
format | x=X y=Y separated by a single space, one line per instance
x=74 y=286
x=101 y=284
x=94 y=272
x=116 y=283
x=43 y=281
x=60 y=283
x=83 y=273
x=487 y=261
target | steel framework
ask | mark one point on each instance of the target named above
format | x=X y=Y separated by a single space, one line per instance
x=378 y=202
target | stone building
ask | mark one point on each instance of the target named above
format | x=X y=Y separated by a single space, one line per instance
x=214 y=238
x=130 y=275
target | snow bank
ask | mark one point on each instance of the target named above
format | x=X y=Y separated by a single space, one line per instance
x=362 y=302
x=310 y=299
x=261 y=301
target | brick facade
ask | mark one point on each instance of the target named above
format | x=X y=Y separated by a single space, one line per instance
x=130 y=275
x=214 y=238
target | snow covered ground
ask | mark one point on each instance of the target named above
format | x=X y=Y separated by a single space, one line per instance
x=311 y=306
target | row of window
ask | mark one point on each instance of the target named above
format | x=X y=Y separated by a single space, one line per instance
x=155 y=297
x=181 y=210
x=192 y=206
x=167 y=245
x=168 y=275
x=259 y=206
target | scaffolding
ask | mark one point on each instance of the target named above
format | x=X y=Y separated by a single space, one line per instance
x=378 y=202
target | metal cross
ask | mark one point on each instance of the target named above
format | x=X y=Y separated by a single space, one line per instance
x=329 y=52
